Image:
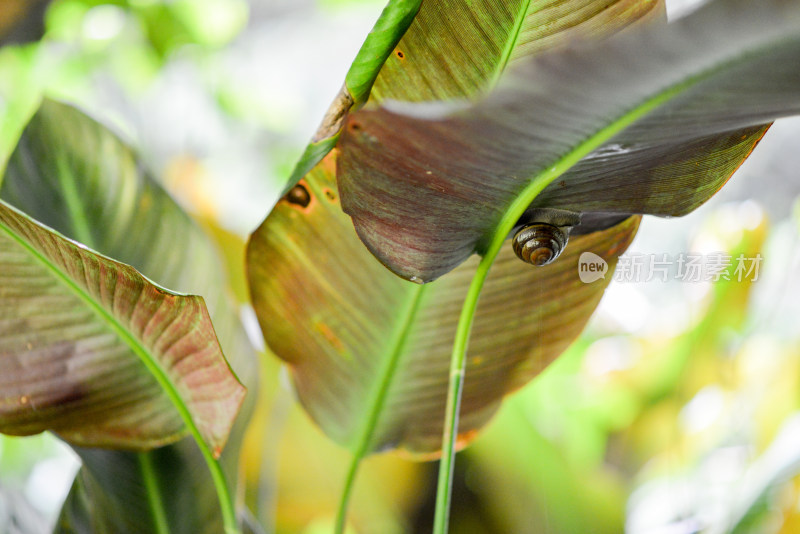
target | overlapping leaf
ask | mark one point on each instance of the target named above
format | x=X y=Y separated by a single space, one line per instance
x=455 y=49
x=370 y=353
x=450 y=49
x=73 y=174
x=653 y=120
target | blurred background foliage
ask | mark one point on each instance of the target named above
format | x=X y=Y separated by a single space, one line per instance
x=678 y=410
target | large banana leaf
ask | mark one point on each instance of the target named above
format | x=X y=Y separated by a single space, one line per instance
x=95 y=352
x=73 y=174
x=652 y=120
x=369 y=352
x=450 y=49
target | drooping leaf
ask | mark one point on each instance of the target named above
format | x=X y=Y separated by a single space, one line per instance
x=517 y=28
x=89 y=346
x=653 y=120
x=72 y=173
x=369 y=352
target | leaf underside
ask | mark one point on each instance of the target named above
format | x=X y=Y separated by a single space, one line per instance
x=348 y=327
x=704 y=87
x=451 y=49
x=110 y=495
x=426 y=184
x=373 y=356
x=74 y=327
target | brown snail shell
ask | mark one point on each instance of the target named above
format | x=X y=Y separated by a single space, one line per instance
x=540 y=243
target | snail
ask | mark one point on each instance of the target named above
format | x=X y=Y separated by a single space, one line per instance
x=540 y=243
x=544 y=233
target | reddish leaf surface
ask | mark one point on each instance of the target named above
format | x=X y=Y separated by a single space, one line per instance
x=349 y=329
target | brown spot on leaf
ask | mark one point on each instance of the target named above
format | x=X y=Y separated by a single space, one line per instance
x=330 y=195
x=299 y=196
x=399 y=54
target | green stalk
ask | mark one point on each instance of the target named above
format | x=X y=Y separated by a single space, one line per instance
x=458 y=359
x=377 y=403
x=349 y=483
x=504 y=227
x=457 y=364
x=150 y=477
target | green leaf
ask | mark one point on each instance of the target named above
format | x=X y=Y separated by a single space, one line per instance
x=76 y=176
x=397 y=16
x=20 y=95
x=653 y=120
x=457 y=49
x=369 y=353
x=95 y=352
x=164 y=490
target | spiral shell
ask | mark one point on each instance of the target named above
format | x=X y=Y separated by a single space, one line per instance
x=540 y=243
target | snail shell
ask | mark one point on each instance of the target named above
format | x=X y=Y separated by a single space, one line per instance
x=540 y=243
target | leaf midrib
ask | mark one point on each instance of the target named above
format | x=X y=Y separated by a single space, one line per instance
x=511 y=43
x=378 y=396
x=399 y=341
x=582 y=149
x=71 y=197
